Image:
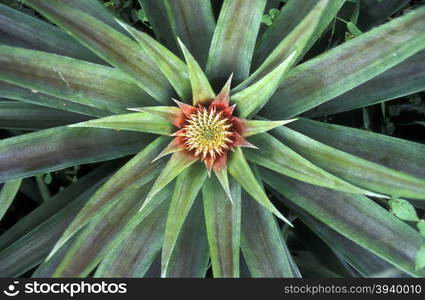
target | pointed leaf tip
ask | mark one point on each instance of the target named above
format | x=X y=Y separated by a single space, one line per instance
x=173 y=68
x=252 y=127
x=186 y=188
x=170 y=113
x=201 y=89
x=254 y=97
x=174 y=146
x=141 y=121
x=223 y=97
x=224 y=182
x=178 y=162
x=241 y=171
x=185 y=108
x=242 y=142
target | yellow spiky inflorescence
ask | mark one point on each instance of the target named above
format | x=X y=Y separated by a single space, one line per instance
x=207 y=132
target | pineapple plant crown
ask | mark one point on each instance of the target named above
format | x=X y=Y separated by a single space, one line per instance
x=221 y=118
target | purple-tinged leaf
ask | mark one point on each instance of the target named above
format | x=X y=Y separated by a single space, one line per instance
x=241 y=171
x=142 y=122
x=353 y=169
x=116 y=48
x=61 y=147
x=25 y=116
x=190 y=256
x=135 y=173
x=14 y=92
x=404 y=79
x=357 y=218
x=7 y=193
x=193 y=22
x=234 y=39
x=202 y=91
x=31 y=32
x=82 y=82
x=348 y=65
x=223 y=221
x=187 y=186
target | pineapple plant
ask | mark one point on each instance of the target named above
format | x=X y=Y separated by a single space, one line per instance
x=206 y=140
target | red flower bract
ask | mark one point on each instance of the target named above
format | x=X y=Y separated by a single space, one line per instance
x=208 y=131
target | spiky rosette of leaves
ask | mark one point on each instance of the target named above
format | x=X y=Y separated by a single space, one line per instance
x=194 y=190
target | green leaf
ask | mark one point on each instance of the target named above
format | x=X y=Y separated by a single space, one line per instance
x=361 y=259
x=173 y=67
x=348 y=65
x=56 y=203
x=401 y=80
x=172 y=114
x=138 y=171
x=276 y=156
x=47 y=179
x=202 y=91
x=292 y=47
x=138 y=248
x=96 y=9
x=252 y=127
x=240 y=170
x=223 y=219
x=30 y=250
x=61 y=147
x=36 y=34
x=156 y=13
x=47 y=268
x=114 y=47
x=178 y=162
x=403 y=210
x=253 y=98
x=194 y=23
x=421 y=227
x=354 y=30
x=420 y=258
x=190 y=256
x=261 y=242
x=356 y=217
x=388 y=151
x=267 y=19
x=142 y=122
x=353 y=169
x=85 y=83
x=91 y=244
x=7 y=194
x=187 y=186
x=270 y=17
x=292 y=15
x=14 y=92
x=234 y=39
x=223 y=177
x=25 y=116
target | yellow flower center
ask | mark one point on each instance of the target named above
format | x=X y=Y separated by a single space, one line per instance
x=207 y=132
